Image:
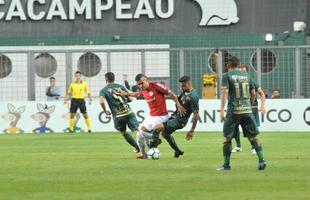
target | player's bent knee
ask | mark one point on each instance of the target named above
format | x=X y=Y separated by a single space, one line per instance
x=227 y=140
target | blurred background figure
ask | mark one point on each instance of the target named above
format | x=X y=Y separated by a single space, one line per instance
x=126 y=83
x=53 y=92
x=275 y=94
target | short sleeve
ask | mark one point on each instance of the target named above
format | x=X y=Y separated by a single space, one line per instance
x=70 y=89
x=161 y=88
x=102 y=93
x=87 y=88
x=225 y=83
x=252 y=83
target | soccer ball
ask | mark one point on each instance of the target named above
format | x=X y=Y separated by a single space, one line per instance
x=153 y=153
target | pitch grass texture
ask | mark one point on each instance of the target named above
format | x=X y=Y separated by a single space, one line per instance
x=102 y=166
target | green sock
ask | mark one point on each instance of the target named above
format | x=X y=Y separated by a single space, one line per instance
x=172 y=143
x=131 y=141
x=237 y=138
x=226 y=153
x=259 y=150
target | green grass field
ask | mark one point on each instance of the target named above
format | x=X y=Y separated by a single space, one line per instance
x=101 y=166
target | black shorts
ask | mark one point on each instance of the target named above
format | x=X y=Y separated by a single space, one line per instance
x=78 y=103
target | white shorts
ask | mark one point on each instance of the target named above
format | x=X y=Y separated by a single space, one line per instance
x=150 y=122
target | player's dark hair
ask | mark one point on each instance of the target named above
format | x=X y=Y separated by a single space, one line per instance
x=110 y=77
x=185 y=79
x=52 y=78
x=233 y=62
x=139 y=76
x=78 y=72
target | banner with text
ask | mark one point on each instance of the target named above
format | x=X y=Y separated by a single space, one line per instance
x=53 y=117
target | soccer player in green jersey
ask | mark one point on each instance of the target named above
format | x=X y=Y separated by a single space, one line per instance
x=237 y=87
x=122 y=114
x=190 y=101
x=255 y=110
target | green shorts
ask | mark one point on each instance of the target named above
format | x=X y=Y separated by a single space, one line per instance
x=256 y=116
x=130 y=120
x=232 y=122
x=174 y=124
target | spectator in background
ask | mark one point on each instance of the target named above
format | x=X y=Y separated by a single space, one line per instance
x=53 y=92
x=268 y=94
x=125 y=76
x=275 y=94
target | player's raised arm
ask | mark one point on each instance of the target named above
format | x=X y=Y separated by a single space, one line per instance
x=130 y=94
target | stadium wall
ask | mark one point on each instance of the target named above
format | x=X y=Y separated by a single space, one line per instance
x=180 y=30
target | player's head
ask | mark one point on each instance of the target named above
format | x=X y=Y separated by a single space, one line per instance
x=109 y=77
x=186 y=83
x=233 y=62
x=142 y=81
x=78 y=75
x=52 y=81
x=244 y=68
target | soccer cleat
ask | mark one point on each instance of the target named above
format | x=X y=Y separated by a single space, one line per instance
x=262 y=165
x=236 y=150
x=253 y=151
x=71 y=131
x=224 y=168
x=141 y=157
x=89 y=131
x=177 y=154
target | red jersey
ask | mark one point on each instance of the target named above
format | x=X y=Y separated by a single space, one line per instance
x=155 y=98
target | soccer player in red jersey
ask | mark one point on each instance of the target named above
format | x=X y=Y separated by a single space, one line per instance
x=155 y=95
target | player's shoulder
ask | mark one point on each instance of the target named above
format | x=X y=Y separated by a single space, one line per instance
x=194 y=94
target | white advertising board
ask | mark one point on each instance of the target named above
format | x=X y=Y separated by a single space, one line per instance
x=27 y=117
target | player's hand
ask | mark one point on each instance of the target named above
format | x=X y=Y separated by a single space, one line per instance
x=190 y=135
x=107 y=112
x=90 y=101
x=181 y=110
x=222 y=116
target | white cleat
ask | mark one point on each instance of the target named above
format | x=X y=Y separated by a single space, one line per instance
x=253 y=151
x=236 y=150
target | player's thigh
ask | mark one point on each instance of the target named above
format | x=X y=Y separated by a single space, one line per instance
x=172 y=125
x=230 y=127
x=152 y=121
x=120 y=124
x=74 y=106
x=248 y=125
x=132 y=122
x=82 y=106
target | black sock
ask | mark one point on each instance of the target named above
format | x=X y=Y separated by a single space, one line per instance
x=131 y=141
x=171 y=141
x=237 y=138
x=155 y=139
x=226 y=153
